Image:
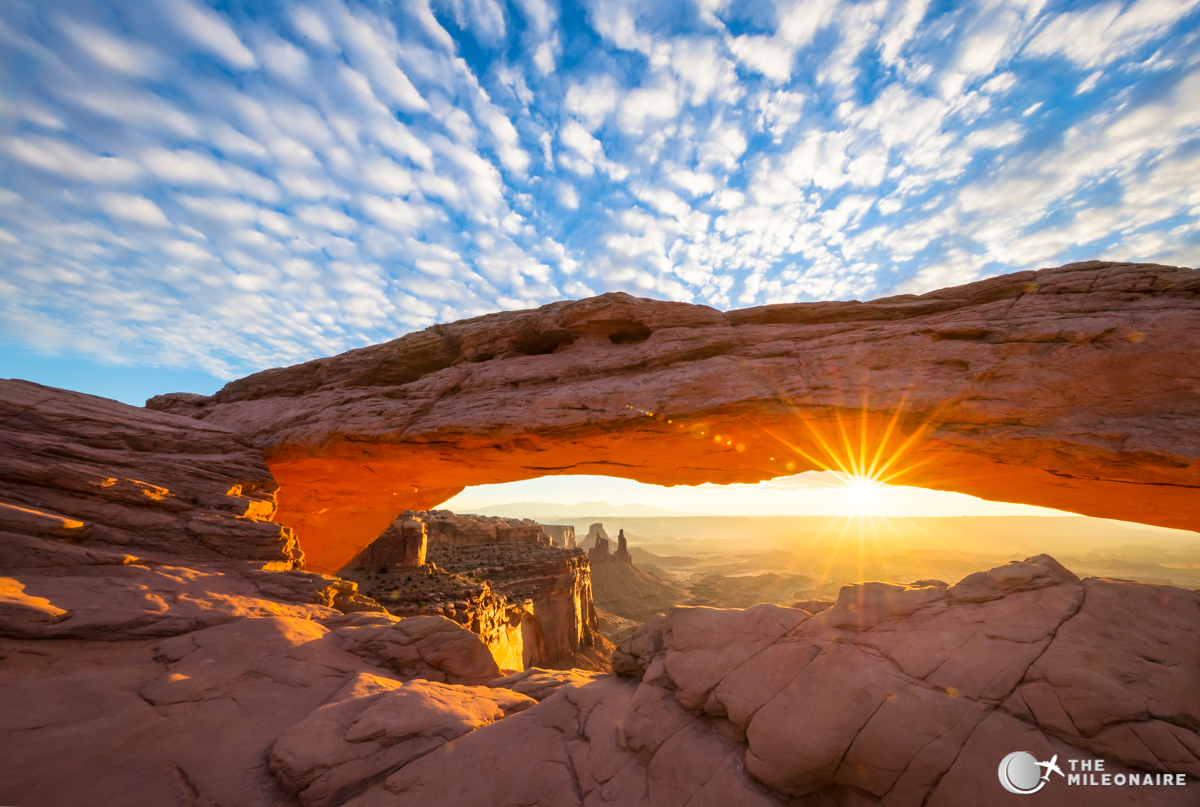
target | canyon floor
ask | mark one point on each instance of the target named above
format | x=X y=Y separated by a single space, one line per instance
x=739 y=561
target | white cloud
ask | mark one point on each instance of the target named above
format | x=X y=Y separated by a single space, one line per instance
x=283 y=59
x=568 y=197
x=310 y=26
x=397 y=214
x=593 y=100
x=646 y=107
x=210 y=30
x=112 y=51
x=326 y=217
x=376 y=56
x=378 y=175
x=135 y=209
x=616 y=21
x=484 y=18
x=764 y=55
x=1097 y=36
x=544 y=57
x=539 y=15
x=189 y=168
x=70 y=161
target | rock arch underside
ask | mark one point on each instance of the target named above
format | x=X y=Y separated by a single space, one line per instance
x=167 y=638
x=1073 y=388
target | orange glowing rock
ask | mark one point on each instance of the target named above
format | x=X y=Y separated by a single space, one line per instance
x=1023 y=388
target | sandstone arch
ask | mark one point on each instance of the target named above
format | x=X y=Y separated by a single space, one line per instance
x=1076 y=387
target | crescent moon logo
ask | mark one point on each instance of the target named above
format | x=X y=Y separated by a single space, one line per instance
x=1021 y=774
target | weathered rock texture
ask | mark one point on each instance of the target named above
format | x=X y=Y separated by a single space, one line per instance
x=401 y=546
x=896 y=695
x=1065 y=387
x=552 y=586
x=156 y=639
x=563 y=535
x=530 y=601
x=468 y=600
x=92 y=482
x=122 y=523
x=454 y=529
x=190 y=674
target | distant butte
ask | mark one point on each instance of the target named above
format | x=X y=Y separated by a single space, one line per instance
x=1071 y=388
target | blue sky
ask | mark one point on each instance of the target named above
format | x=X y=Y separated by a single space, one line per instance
x=190 y=192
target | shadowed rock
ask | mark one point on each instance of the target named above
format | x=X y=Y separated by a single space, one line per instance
x=400 y=546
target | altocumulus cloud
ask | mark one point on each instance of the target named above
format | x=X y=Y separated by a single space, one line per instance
x=229 y=186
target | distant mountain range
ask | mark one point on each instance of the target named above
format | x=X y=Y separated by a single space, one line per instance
x=548 y=511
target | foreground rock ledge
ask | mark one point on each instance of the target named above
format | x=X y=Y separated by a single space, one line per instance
x=1068 y=388
x=895 y=695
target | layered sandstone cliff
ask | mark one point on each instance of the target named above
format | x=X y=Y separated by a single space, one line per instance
x=530 y=601
x=118 y=522
x=563 y=535
x=453 y=529
x=402 y=545
x=1061 y=387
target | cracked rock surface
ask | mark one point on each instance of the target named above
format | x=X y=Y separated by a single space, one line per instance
x=896 y=695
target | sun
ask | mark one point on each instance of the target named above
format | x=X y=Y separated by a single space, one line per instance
x=863 y=495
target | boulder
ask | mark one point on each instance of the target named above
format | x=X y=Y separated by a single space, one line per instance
x=895 y=695
x=429 y=647
x=375 y=726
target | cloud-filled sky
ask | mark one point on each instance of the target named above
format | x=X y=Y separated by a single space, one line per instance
x=222 y=187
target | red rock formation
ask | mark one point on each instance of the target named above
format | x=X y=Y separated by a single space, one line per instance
x=553 y=586
x=896 y=695
x=1060 y=388
x=121 y=523
x=595 y=532
x=119 y=527
x=88 y=481
x=446 y=527
x=563 y=535
x=530 y=602
x=622 y=553
x=599 y=552
x=401 y=546
x=263 y=693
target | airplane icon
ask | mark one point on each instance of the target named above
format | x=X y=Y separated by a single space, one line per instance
x=1050 y=766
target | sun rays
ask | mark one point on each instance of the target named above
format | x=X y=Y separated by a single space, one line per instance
x=868 y=451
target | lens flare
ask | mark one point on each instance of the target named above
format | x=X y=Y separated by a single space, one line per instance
x=862 y=495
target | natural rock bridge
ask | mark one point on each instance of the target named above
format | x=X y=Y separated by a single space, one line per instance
x=1074 y=388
